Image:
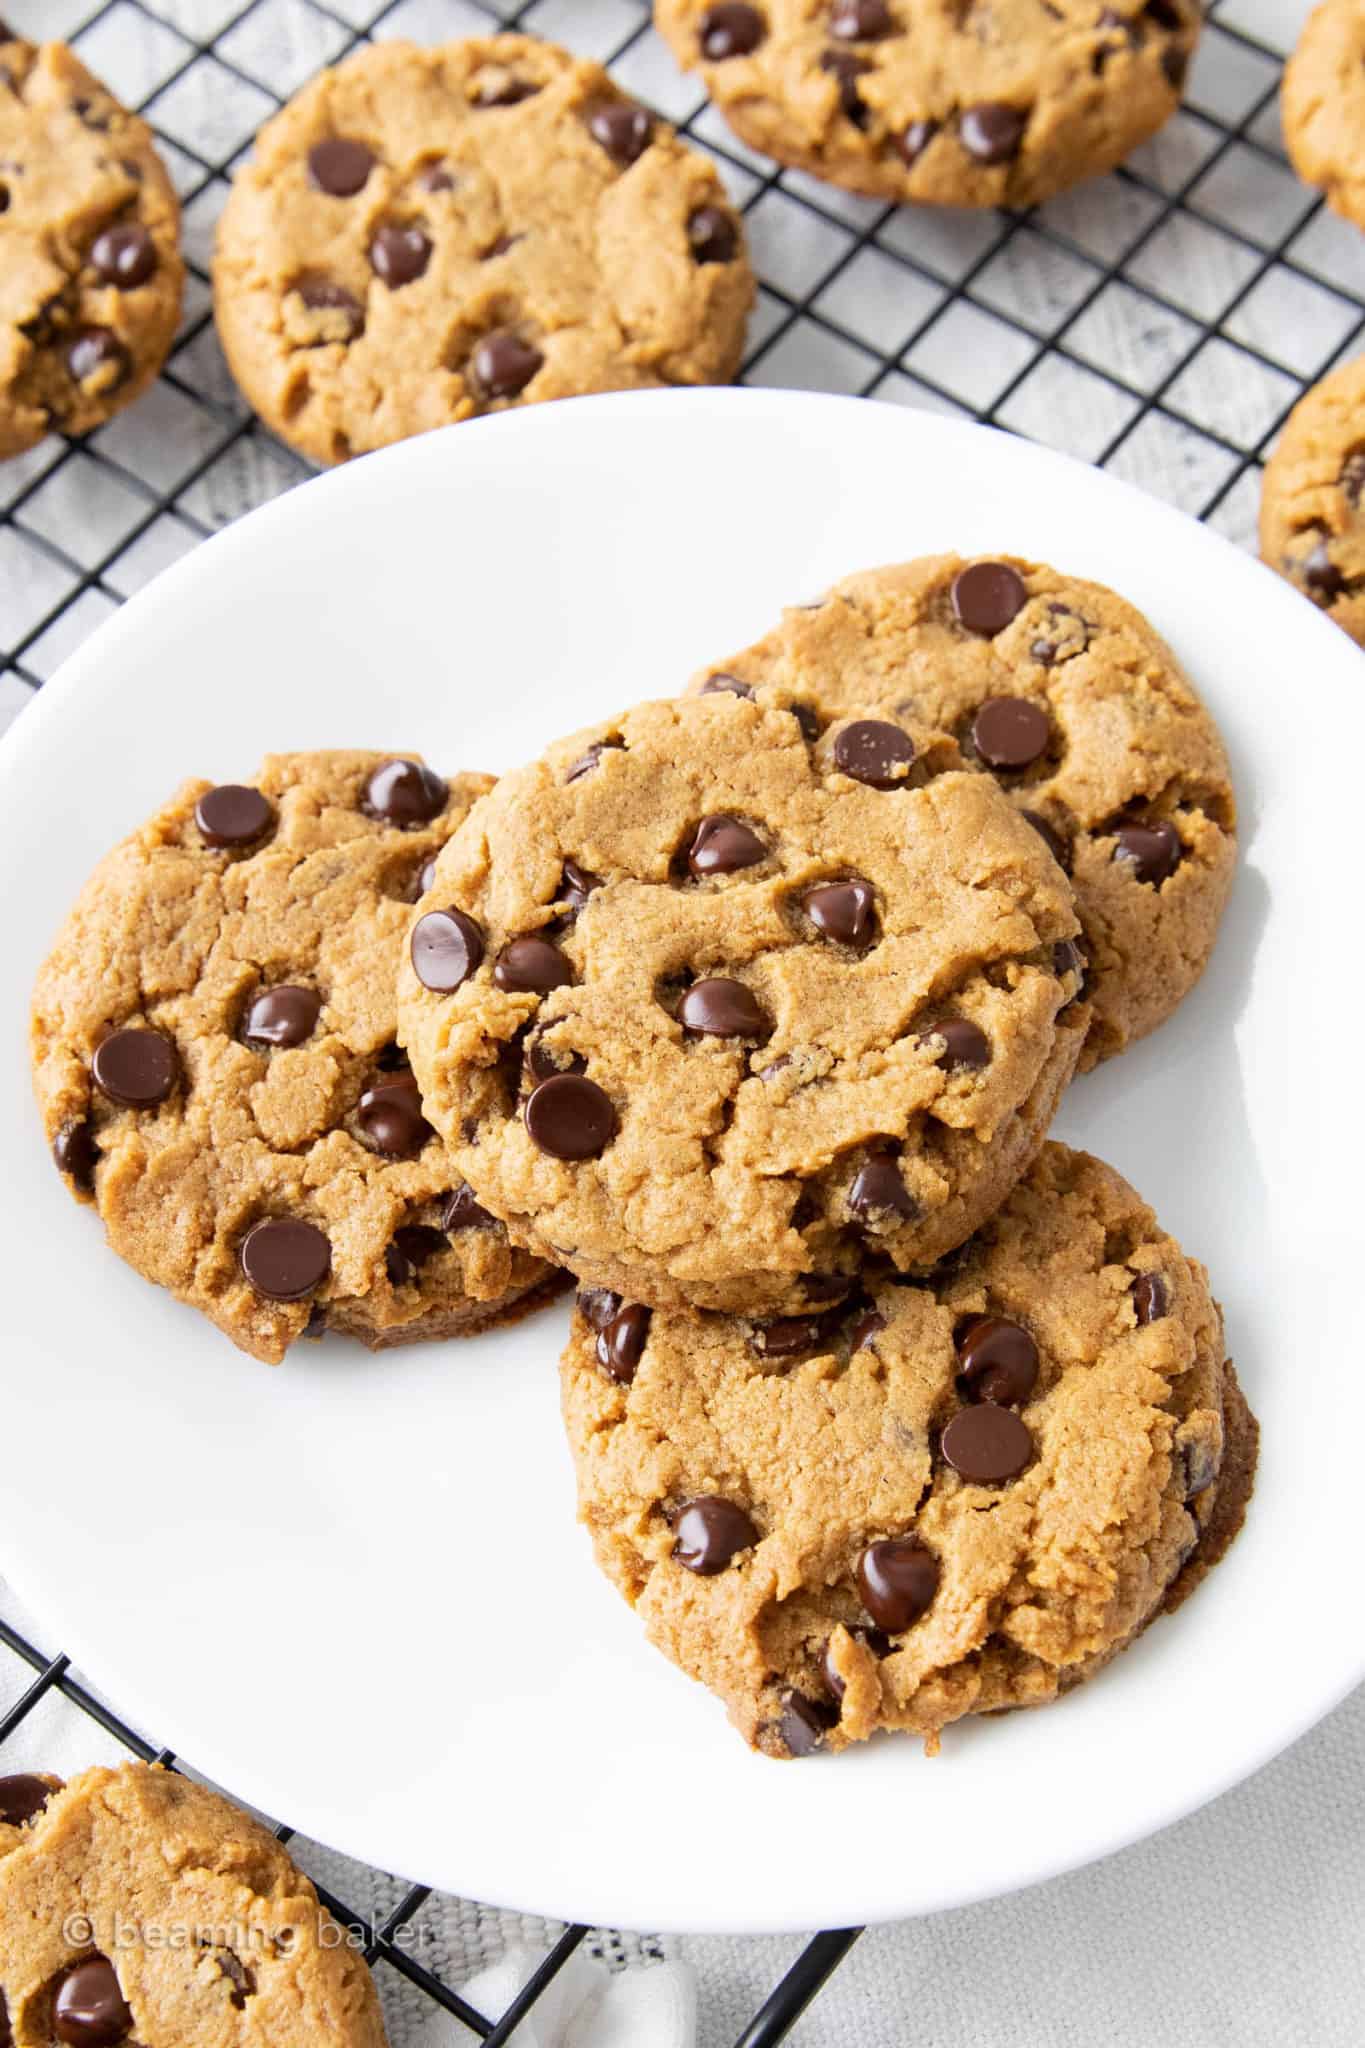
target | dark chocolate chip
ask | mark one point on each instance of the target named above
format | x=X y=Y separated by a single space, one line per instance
x=576 y=884
x=965 y=1045
x=570 y=1117
x=861 y=21
x=708 y=1532
x=399 y=253
x=1151 y=1297
x=914 y=140
x=89 y=2008
x=997 y=1360
x=621 y=1344
x=93 y=114
x=22 y=1798
x=1175 y=66
x=124 y=255
x=1010 y=732
x=136 y=1068
x=4 y=198
x=1153 y=850
x=717 y=1008
x=322 y=295
x=544 y=1061
x=792 y=1336
x=1051 y=838
x=992 y=131
x=340 y=166
x=598 y=1305
x=1165 y=14
x=877 y=1641
x=502 y=89
x=391 y=1120
x=76 y=1153
x=436 y=178
x=986 y=596
x=847 y=69
x=1068 y=957
x=874 y=752
x=987 y=1444
x=731 y=30
x=728 y=685
x=804 y=1723
x=1352 y=478
x=713 y=237
x=897 y=1581
x=623 y=129
x=282 y=1016
x=411 y=1245
x=864 y=1329
x=404 y=793
x=96 y=349
x=843 y=911
x=805 y=714
x=878 y=1190
x=446 y=948
x=503 y=364
x=1320 y=575
x=531 y=966
x=588 y=761
x=462 y=1211
x=285 y=1258
x=721 y=844
x=233 y=815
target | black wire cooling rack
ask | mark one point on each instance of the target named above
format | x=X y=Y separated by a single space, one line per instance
x=1160 y=322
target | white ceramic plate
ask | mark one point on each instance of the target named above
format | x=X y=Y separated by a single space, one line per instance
x=353 y=1589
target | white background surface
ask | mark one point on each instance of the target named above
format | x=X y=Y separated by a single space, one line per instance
x=1243 y=1924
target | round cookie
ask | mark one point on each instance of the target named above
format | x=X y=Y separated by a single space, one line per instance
x=704 y=1007
x=430 y=234
x=213 y=1042
x=1312 y=522
x=1322 y=105
x=90 y=269
x=141 y=1907
x=932 y=103
x=946 y=1497
x=1065 y=694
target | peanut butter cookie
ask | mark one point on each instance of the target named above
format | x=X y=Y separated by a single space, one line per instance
x=1312 y=521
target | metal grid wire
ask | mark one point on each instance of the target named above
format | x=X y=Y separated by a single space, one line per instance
x=1160 y=322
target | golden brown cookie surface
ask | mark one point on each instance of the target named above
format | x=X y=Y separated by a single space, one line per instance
x=430 y=234
x=1312 y=521
x=90 y=269
x=1323 y=105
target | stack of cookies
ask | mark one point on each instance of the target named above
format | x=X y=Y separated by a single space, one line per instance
x=750 y=1009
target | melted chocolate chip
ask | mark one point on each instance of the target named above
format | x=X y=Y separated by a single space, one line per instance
x=499 y=88
x=135 y=1068
x=598 y=1305
x=95 y=351
x=22 y=1798
x=864 y=1329
x=585 y=763
x=897 y=1581
x=997 y=1360
x=89 y=2008
x=576 y=884
x=965 y=1045
x=404 y=793
x=1051 y=838
x=399 y=253
x=872 y=751
x=503 y=365
x=717 y=1008
x=570 y=1117
x=282 y=1016
x=623 y=129
x=986 y=596
x=339 y=166
x=708 y=1532
x=544 y=1061
x=462 y=1211
x=876 y=1640
x=843 y=911
x=1069 y=958
x=722 y=844
x=124 y=256
x=728 y=685
x=847 y=69
x=435 y=177
x=446 y=948
x=621 y=1342
x=531 y=966
x=233 y=815
x=914 y=140
x=861 y=21
x=285 y=1258
x=1010 y=732
x=879 y=1192
x=1153 y=850
x=731 y=30
x=1151 y=1297
x=987 y=1444
x=804 y=1723
x=411 y=1245
x=992 y=131
x=793 y=1336
x=323 y=295
x=1319 y=574
x=76 y=1153
x=713 y=237
x=391 y=1120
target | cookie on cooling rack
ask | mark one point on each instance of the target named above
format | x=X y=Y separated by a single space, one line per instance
x=89 y=243
x=139 y=1907
x=1322 y=104
x=1312 y=522
x=1068 y=698
x=937 y=1498
x=927 y=102
x=429 y=234
x=704 y=1005
x=214 y=1054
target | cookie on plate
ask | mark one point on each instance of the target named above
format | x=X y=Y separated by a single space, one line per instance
x=214 y=1054
x=429 y=234
x=944 y=1497
x=90 y=269
x=705 y=1003
x=1075 y=705
x=1312 y=522
x=141 y=1907
x=927 y=102
x=1322 y=105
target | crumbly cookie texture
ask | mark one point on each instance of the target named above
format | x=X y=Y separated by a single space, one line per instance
x=1322 y=105
x=213 y=1042
x=931 y=101
x=90 y=269
x=1312 y=520
x=1069 y=698
x=949 y=1497
x=706 y=1005
x=430 y=234
x=197 y=1928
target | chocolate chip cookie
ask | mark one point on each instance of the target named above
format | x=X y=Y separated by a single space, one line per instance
x=90 y=269
x=710 y=1001
x=937 y=1498
x=430 y=234
x=140 y=1907
x=1322 y=105
x=1312 y=521
x=1068 y=698
x=936 y=101
x=214 y=1053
